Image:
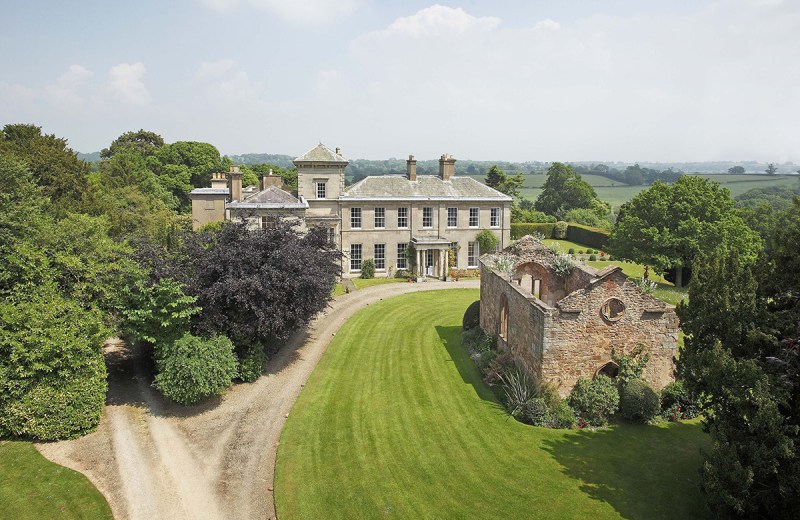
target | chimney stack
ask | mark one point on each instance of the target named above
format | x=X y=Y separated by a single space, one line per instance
x=236 y=183
x=338 y=151
x=271 y=180
x=447 y=167
x=411 y=168
x=218 y=180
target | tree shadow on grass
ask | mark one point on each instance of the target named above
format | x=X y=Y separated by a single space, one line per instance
x=643 y=472
x=451 y=338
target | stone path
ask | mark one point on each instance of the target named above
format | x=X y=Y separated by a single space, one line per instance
x=152 y=459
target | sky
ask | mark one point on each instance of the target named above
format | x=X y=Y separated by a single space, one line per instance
x=575 y=80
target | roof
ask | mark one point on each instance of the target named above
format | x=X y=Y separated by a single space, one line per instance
x=425 y=187
x=321 y=153
x=271 y=197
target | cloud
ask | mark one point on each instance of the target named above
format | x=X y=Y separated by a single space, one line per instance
x=126 y=84
x=225 y=83
x=718 y=82
x=66 y=93
x=547 y=25
x=314 y=12
x=436 y=21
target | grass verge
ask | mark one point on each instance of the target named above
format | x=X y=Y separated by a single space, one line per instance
x=31 y=487
x=396 y=422
x=361 y=283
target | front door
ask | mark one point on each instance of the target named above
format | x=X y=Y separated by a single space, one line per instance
x=429 y=262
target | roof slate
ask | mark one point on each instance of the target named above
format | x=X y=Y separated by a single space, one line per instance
x=271 y=195
x=321 y=153
x=426 y=186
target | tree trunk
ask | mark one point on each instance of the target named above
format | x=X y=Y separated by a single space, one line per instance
x=679 y=277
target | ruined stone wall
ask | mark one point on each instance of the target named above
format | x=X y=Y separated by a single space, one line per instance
x=528 y=319
x=578 y=343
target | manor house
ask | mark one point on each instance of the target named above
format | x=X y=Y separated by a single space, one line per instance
x=560 y=328
x=379 y=217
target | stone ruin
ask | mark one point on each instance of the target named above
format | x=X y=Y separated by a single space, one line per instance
x=560 y=326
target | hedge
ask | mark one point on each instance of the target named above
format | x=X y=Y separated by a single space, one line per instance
x=585 y=235
x=520 y=229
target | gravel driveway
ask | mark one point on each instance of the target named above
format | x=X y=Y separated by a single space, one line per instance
x=153 y=459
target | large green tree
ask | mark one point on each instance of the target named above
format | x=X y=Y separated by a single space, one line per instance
x=741 y=357
x=53 y=165
x=502 y=182
x=667 y=226
x=142 y=143
x=60 y=284
x=565 y=190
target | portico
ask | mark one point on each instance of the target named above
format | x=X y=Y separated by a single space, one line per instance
x=431 y=256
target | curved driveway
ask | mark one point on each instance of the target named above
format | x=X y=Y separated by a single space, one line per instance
x=153 y=459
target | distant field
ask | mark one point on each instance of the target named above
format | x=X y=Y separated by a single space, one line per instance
x=620 y=193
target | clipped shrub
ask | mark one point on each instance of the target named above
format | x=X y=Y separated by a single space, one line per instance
x=675 y=395
x=193 y=368
x=571 y=251
x=368 y=269
x=602 y=259
x=562 y=416
x=592 y=258
x=560 y=230
x=472 y=316
x=638 y=402
x=595 y=400
x=253 y=363
x=594 y=237
x=520 y=229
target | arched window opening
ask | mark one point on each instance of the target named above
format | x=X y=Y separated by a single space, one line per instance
x=610 y=369
x=504 y=318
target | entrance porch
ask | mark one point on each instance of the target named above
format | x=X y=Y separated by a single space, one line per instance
x=431 y=256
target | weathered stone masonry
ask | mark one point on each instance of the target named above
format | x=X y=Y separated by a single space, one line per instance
x=555 y=327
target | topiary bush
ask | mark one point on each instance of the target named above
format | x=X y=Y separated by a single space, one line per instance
x=592 y=258
x=595 y=400
x=253 y=363
x=368 y=269
x=638 y=402
x=472 y=316
x=674 y=397
x=193 y=368
x=560 y=230
x=571 y=251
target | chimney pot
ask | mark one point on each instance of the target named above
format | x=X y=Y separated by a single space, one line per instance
x=338 y=151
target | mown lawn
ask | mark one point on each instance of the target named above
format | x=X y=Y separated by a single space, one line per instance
x=31 y=487
x=396 y=422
